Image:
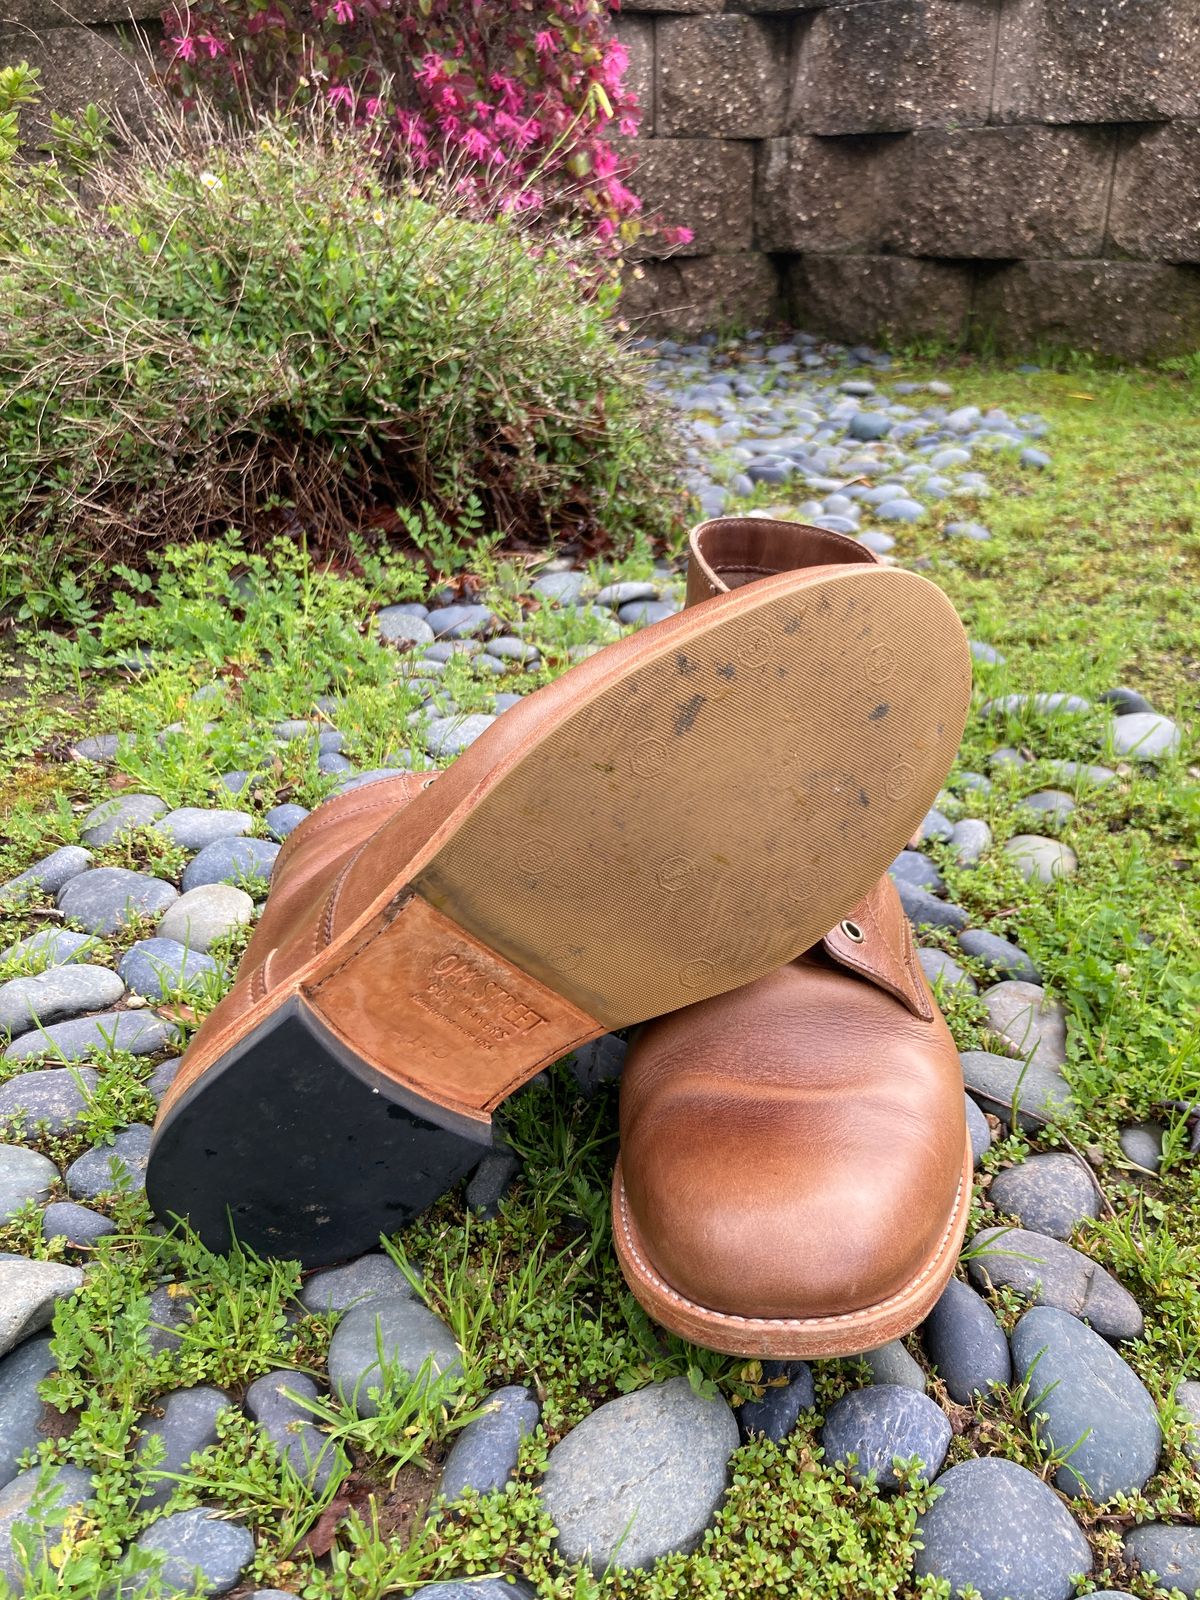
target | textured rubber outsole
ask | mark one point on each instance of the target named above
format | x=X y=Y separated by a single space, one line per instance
x=793 y=1338
x=717 y=809
x=297 y=1148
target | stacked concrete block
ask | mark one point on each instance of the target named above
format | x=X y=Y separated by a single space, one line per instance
x=1022 y=170
x=887 y=66
x=637 y=36
x=1155 y=211
x=995 y=193
x=1131 y=309
x=879 y=297
x=692 y=294
x=828 y=196
x=1066 y=61
x=1025 y=171
x=97 y=51
x=719 y=77
x=708 y=182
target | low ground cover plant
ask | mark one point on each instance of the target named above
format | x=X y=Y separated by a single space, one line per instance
x=1085 y=582
x=254 y=328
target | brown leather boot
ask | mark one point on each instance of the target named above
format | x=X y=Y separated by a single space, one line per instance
x=795 y=1171
x=670 y=819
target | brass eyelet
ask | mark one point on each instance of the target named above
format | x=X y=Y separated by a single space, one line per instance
x=428 y=781
x=853 y=932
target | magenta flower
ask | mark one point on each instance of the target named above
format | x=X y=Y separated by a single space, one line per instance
x=605 y=162
x=512 y=86
x=616 y=60
x=429 y=71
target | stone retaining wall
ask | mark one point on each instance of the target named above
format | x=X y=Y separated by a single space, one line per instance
x=87 y=51
x=1012 y=171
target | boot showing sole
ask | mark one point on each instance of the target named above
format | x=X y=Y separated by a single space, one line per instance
x=721 y=788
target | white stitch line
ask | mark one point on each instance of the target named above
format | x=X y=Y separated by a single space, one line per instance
x=768 y=1323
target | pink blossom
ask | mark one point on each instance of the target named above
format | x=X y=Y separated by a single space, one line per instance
x=605 y=161
x=512 y=86
x=616 y=60
x=620 y=198
x=525 y=133
x=477 y=144
x=512 y=96
x=429 y=71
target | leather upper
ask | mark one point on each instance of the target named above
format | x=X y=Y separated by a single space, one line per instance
x=727 y=552
x=312 y=858
x=794 y=1146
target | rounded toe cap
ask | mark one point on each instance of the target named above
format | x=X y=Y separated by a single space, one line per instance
x=819 y=1190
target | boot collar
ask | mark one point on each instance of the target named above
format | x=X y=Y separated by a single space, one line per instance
x=729 y=551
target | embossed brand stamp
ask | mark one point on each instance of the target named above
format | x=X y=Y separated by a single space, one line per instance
x=462 y=992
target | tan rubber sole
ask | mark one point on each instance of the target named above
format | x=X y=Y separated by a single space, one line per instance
x=793 y=1338
x=714 y=798
x=720 y=807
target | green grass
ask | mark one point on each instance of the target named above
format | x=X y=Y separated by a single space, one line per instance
x=1090 y=580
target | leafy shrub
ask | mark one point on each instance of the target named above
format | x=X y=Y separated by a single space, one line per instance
x=204 y=332
x=518 y=100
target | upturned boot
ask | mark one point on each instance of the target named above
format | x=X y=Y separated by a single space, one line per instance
x=672 y=818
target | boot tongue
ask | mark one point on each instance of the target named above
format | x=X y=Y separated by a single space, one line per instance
x=876 y=942
x=729 y=551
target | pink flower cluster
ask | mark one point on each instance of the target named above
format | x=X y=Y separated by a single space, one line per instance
x=518 y=101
